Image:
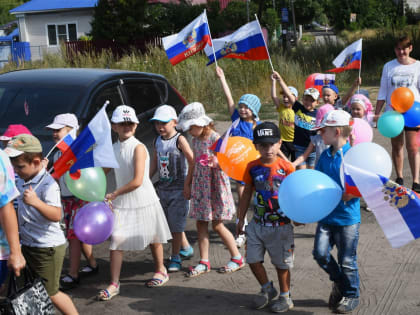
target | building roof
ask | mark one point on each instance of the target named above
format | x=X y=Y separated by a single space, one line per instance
x=9 y=37
x=52 y=5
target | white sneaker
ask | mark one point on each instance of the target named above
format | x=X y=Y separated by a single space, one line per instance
x=240 y=240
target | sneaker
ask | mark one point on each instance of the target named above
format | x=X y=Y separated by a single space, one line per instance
x=240 y=240
x=174 y=264
x=335 y=296
x=88 y=270
x=347 y=305
x=283 y=304
x=186 y=253
x=265 y=297
x=68 y=282
x=399 y=181
x=416 y=187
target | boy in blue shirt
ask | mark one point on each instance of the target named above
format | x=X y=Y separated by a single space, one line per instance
x=341 y=226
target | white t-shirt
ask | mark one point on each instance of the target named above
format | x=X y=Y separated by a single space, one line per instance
x=36 y=230
x=395 y=75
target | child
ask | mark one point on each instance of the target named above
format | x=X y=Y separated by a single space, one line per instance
x=10 y=252
x=330 y=94
x=141 y=220
x=361 y=107
x=12 y=131
x=269 y=230
x=211 y=197
x=60 y=127
x=171 y=155
x=39 y=213
x=305 y=116
x=244 y=120
x=286 y=119
x=341 y=226
x=316 y=143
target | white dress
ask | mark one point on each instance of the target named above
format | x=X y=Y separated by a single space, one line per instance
x=139 y=217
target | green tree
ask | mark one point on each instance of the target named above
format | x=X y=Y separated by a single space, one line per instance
x=5 y=7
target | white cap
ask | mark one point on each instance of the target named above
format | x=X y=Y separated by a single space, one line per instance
x=165 y=113
x=124 y=113
x=313 y=92
x=193 y=115
x=64 y=120
x=335 y=118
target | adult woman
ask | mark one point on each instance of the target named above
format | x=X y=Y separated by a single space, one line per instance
x=402 y=71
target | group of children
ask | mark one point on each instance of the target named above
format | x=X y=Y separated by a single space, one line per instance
x=191 y=183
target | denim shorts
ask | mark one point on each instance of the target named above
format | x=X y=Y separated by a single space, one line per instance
x=310 y=161
x=176 y=208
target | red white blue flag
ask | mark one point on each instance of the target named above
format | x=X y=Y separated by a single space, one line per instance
x=396 y=208
x=93 y=147
x=245 y=43
x=221 y=143
x=67 y=140
x=349 y=58
x=192 y=39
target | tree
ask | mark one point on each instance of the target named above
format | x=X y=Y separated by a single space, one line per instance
x=5 y=7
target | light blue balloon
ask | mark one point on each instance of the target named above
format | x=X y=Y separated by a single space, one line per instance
x=391 y=124
x=307 y=196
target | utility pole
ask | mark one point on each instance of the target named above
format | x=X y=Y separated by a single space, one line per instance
x=292 y=7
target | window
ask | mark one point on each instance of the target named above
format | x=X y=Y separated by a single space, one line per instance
x=58 y=33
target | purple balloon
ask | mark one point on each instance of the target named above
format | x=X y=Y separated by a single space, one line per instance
x=412 y=116
x=93 y=223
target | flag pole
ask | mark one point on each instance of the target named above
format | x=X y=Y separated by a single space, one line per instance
x=211 y=39
x=266 y=48
x=360 y=68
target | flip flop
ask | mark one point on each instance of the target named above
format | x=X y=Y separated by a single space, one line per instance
x=157 y=282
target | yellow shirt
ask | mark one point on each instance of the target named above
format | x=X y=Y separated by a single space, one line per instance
x=286 y=123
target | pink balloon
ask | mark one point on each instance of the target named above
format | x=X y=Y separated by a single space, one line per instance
x=362 y=131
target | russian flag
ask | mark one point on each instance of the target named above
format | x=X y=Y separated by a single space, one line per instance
x=192 y=39
x=396 y=208
x=349 y=58
x=68 y=139
x=93 y=147
x=322 y=79
x=245 y=43
x=221 y=143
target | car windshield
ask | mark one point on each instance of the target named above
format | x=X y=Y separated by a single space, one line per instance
x=35 y=107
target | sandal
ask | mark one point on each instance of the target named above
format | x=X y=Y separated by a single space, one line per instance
x=88 y=270
x=194 y=271
x=68 y=282
x=233 y=265
x=157 y=282
x=174 y=265
x=106 y=295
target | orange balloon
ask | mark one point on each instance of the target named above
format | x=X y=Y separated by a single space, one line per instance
x=239 y=152
x=402 y=99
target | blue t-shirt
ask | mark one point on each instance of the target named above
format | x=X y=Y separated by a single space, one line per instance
x=244 y=129
x=304 y=123
x=346 y=212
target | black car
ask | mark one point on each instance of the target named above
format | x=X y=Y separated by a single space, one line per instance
x=34 y=97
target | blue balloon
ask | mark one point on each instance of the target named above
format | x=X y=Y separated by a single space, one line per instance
x=412 y=116
x=307 y=196
x=391 y=124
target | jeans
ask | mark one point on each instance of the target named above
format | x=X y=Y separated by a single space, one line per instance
x=344 y=271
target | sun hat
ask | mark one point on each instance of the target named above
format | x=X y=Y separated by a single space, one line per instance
x=124 y=113
x=21 y=144
x=335 y=118
x=331 y=87
x=193 y=115
x=165 y=113
x=252 y=101
x=266 y=132
x=362 y=100
x=14 y=130
x=64 y=120
x=321 y=112
x=313 y=92
x=294 y=91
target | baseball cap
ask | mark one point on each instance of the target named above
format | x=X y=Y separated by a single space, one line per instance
x=124 y=113
x=313 y=92
x=63 y=120
x=294 y=91
x=266 y=132
x=165 y=113
x=14 y=130
x=332 y=87
x=335 y=118
x=21 y=144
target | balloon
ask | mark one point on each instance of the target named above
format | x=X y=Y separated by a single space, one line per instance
x=308 y=196
x=91 y=186
x=391 y=124
x=402 y=99
x=310 y=82
x=362 y=131
x=239 y=152
x=412 y=116
x=93 y=223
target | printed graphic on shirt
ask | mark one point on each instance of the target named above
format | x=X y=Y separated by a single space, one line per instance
x=304 y=121
x=402 y=79
x=164 y=173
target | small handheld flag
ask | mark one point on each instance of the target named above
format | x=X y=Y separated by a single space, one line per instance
x=349 y=58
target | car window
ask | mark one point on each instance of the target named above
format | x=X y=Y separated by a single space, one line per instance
x=111 y=93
